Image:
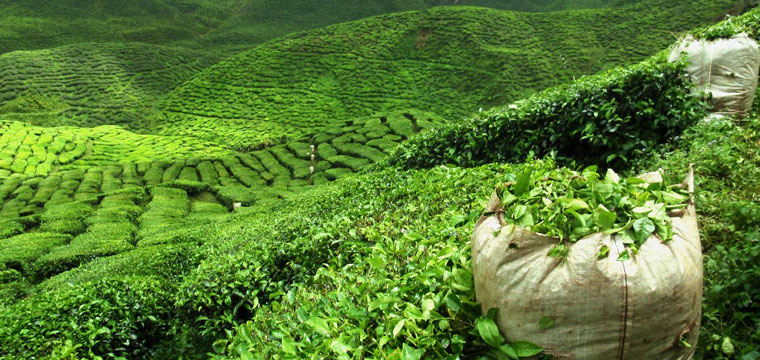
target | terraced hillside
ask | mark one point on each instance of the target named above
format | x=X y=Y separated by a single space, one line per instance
x=93 y=200
x=93 y=83
x=39 y=24
x=113 y=158
x=255 y=212
x=447 y=60
x=32 y=150
x=260 y=21
x=226 y=25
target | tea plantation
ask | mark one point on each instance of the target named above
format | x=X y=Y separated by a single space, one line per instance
x=225 y=26
x=93 y=84
x=446 y=60
x=192 y=180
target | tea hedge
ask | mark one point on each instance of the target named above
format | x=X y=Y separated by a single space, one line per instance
x=20 y=251
x=605 y=119
x=123 y=317
x=36 y=151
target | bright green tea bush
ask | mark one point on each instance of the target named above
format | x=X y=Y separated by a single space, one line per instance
x=100 y=240
x=32 y=150
x=232 y=285
x=605 y=119
x=748 y=23
x=726 y=160
x=168 y=261
x=20 y=251
x=113 y=318
x=66 y=218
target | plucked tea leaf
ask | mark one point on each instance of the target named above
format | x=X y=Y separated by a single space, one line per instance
x=488 y=331
x=526 y=349
x=522 y=182
x=545 y=323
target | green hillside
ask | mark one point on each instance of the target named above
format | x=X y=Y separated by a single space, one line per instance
x=226 y=25
x=314 y=196
x=259 y=21
x=93 y=84
x=449 y=61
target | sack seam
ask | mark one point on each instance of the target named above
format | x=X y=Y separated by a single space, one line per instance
x=621 y=344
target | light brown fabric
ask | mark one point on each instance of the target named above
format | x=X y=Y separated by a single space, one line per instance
x=727 y=68
x=602 y=309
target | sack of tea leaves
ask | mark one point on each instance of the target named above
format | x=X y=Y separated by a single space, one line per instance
x=727 y=68
x=590 y=266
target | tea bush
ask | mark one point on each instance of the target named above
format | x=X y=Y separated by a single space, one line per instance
x=19 y=252
x=255 y=267
x=117 y=318
x=726 y=162
x=158 y=262
x=605 y=119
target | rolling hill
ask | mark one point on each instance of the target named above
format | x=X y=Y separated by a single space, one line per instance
x=227 y=25
x=93 y=84
x=447 y=60
x=314 y=196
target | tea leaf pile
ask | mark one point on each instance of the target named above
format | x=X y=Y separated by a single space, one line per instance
x=570 y=205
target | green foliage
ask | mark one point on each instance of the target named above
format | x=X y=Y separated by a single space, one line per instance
x=298 y=260
x=35 y=151
x=168 y=261
x=93 y=264
x=100 y=240
x=204 y=24
x=20 y=251
x=446 y=60
x=94 y=84
x=110 y=318
x=570 y=205
x=726 y=160
x=605 y=119
x=9 y=228
x=731 y=300
x=746 y=23
x=66 y=218
x=164 y=212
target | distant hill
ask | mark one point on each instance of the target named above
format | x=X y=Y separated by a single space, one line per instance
x=447 y=60
x=93 y=84
x=210 y=24
x=37 y=24
x=259 y=21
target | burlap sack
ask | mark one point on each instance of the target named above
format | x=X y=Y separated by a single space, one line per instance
x=602 y=309
x=727 y=68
